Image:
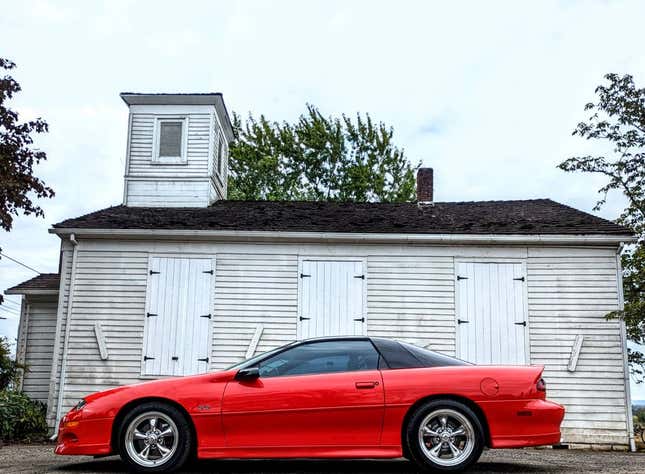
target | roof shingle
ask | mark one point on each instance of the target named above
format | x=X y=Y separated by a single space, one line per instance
x=42 y=282
x=536 y=216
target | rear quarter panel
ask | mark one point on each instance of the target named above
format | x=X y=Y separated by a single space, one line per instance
x=505 y=400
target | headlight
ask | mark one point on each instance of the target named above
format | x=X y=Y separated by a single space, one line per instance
x=79 y=405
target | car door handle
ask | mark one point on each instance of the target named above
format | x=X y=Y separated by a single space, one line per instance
x=365 y=385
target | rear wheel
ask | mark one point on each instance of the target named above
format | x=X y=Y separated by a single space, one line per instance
x=444 y=435
x=155 y=437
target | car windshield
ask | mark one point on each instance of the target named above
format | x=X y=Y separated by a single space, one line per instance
x=250 y=362
x=430 y=358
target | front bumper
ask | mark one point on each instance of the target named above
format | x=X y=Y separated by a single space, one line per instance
x=89 y=437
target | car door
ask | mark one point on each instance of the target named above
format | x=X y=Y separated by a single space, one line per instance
x=315 y=394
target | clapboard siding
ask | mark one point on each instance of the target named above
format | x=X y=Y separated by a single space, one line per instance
x=412 y=299
x=570 y=295
x=253 y=289
x=192 y=183
x=110 y=288
x=141 y=143
x=38 y=334
x=61 y=317
x=175 y=193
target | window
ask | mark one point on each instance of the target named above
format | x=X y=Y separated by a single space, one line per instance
x=431 y=358
x=220 y=155
x=401 y=355
x=322 y=358
x=170 y=140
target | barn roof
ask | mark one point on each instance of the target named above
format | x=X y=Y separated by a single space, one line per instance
x=45 y=283
x=535 y=216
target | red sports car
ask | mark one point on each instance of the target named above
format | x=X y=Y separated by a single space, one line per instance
x=344 y=397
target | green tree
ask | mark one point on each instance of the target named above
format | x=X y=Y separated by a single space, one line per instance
x=18 y=157
x=9 y=368
x=318 y=159
x=618 y=117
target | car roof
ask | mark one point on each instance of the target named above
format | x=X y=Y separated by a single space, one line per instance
x=333 y=338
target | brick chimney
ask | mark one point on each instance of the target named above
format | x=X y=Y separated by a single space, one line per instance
x=424 y=185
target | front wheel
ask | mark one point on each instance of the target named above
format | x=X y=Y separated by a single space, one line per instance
x=444 y=435
x=155 y=437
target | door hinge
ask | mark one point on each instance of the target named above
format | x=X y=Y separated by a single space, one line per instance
x=205 y=359
x=175 y=358
x=205 y=316
x=462 y=321
x=362 y=277
x=302 y=318
x=519 y=279
x=461 y=278
x=208 y=271
x=362 y=320
x=302 y=275
x=523 y=323
x=152 y=272
x=146 y=358
x=149 y=315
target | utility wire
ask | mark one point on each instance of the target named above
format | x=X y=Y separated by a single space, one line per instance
x=19 y=262
x=9 y=310
x=13 y=303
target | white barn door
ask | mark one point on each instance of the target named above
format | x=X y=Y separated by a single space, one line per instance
x=178 y=315
x=491 y=313
x=331 y=299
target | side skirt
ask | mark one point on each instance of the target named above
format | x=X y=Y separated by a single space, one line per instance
x=322 y=452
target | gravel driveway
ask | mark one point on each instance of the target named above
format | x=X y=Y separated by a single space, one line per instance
x=32 y=458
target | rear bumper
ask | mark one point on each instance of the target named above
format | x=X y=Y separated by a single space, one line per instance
x=520 y=424
x=84 y=437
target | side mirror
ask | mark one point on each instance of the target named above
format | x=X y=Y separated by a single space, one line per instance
x=248 y=374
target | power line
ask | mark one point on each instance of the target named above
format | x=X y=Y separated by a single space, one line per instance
x=19 y=262
x=13 y=303
x=9 y=310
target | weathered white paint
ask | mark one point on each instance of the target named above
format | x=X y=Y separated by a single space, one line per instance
x=331 y=298
x=100 y=340
x=491 y=312
x=410 y=294
x=411 y=297
x=570 y=292
x=178 y=315
x=575 y=353
x=353 y=238
x=158 y=192
x=36 y=344
x=68 y=319
x=189 y=182
x=623 y=336
x=255 y=340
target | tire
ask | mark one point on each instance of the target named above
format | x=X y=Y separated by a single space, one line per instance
x=444 y=452
x=138 y=433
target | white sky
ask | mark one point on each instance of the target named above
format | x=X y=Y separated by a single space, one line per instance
x=487 y=93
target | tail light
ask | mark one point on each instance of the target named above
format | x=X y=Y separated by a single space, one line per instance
x=541 y=385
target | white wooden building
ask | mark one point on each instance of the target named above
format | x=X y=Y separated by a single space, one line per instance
x=178 y=280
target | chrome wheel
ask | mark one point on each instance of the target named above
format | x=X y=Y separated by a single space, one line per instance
x=151 y=439
x=446 y=437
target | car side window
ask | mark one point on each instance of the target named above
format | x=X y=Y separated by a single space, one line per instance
x=321 y=358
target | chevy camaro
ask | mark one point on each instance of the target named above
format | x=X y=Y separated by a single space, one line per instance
x=343 y=397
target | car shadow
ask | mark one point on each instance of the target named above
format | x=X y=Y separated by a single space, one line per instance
x=114 y=465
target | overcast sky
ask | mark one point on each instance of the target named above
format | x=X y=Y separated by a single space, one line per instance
x=486 y=93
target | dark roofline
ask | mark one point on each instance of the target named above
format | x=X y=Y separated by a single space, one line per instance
x=171 y=98
x=537 y=220
x=43 y=284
